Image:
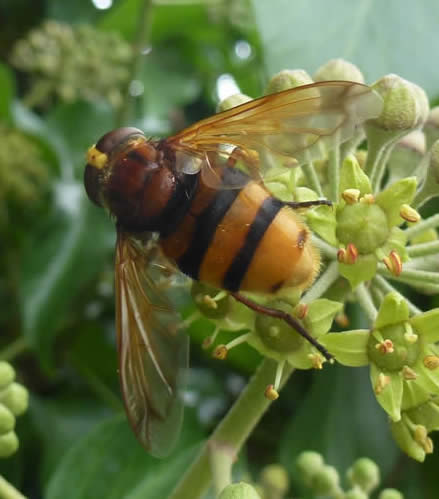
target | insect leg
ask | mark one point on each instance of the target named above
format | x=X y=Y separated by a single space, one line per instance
x=251 y=161
x=307 y=204
x=289 y=319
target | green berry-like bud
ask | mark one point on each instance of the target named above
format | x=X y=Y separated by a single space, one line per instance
x=8 y=444
x=402 y=353
x=364 y=225
x=434 y=161
x=288 y=79
x=232 y=101
x=339 y=69
x=326 y=481
x=239 y=490
x=309 y=463
x=7 y=420
x=390 y=494
x=276 y=334
x=403 y=109
x=211 y=302
x=274 y=479
x=16 y=398
x=7 y=374
x=365 y=474
x=356 y=493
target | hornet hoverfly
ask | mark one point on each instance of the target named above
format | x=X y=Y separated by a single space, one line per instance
x=216 y=222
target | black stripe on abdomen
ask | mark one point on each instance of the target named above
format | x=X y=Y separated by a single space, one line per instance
x=263 y=219
x=208 y=221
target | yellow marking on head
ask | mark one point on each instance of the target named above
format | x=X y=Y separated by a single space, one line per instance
x=96 y=158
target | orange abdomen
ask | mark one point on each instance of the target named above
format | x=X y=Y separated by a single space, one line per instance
x=242 y=239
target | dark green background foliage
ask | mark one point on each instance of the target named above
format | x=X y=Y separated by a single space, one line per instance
x=56 y=249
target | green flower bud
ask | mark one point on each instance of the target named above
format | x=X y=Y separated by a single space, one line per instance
x=8 y=444
x=232 y=101
x=288 y=79
x=404 y=104
x=309 y=463
x=7 y=374
x=364 y=225
x=239 y=490
x=16 y=398
x=356 y=493
x=434 y=162
x=7 y=420
x=326 y=481
x=211 y=302
x=276 y=334
x=274 y=480
x=365 y=474
x=406 y=156
x=390 y=494
x=431 y=127
x=339 y=69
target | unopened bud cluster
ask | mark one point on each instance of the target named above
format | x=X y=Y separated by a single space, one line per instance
x=13 y=403
x=72 y=63
x=363 y=478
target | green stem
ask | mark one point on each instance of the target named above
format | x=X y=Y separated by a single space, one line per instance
x=14 y=349
x=419 y=277
x=8 y=491
x=423 y=249
x=386 y=288
x=377 y=174
x=428 y=223
x=334 y=170
x=141 y=41
x=312 y=178
x=325 y=248
x=221 y=461
x=366 y=302
x=328 y=277
x=233 y=430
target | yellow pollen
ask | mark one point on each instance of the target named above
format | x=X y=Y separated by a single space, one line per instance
x=96 y=158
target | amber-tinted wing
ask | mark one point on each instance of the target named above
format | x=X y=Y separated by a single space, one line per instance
x=153 y=351
x=295 y=123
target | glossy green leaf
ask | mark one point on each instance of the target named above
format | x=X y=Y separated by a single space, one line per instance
x=110 y=463
x=379 y=37
x=69 y=250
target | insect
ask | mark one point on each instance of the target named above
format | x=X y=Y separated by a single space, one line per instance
x=214 y=221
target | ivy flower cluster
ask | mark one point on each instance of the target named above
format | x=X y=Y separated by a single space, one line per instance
x=68 y=63
x=371 y=240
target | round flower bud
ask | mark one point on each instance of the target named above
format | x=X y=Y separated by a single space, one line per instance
x=274 y=479
x=326 y=481
x=364 y=473
x=15 y=398
x=232 y=101
x=239 y=490
x=356 y=493
x=364 y=225
x=288 y=79
x=406 y=155
x=276 y=334
x=8 y=444
x=434 y=160
x=403 y=109
x=7 y=420
x=390 y=494
x=308 y=463
x=7 y=374
x=204 y=298
x=339 y=69
x=431 y=127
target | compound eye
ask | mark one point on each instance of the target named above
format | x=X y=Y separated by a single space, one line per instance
x=112 y=140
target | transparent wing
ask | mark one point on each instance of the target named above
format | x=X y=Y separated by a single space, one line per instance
x=298 y=123
x=153 y=351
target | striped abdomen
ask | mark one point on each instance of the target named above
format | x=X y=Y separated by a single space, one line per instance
x=242 y=239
